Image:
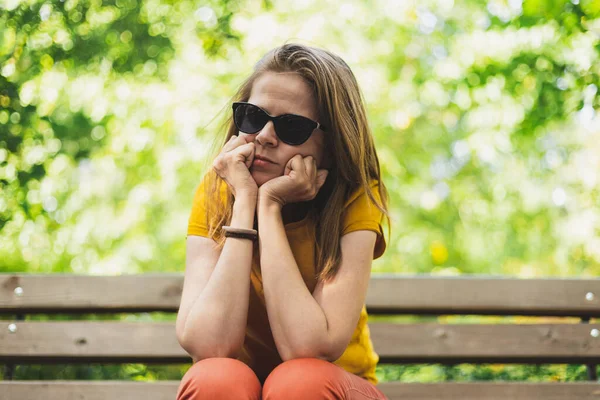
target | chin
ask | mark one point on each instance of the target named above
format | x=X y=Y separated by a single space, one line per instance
x=260 y=178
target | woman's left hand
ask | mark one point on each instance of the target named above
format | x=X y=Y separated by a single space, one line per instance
x=301 y=181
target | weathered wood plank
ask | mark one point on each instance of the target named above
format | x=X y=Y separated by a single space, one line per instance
x=86 y=293
x=497 y=343
x=166 y=390
x=386 y=294
x=90 y=341
x=88 y=390
x=107 y=341
x=484 y=295
x=491 y=391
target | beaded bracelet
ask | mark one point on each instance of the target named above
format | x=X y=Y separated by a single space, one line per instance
x=240 y=233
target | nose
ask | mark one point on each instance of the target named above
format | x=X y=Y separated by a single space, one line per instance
x=267 y=136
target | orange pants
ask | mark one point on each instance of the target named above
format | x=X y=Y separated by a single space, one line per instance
x=298 y=379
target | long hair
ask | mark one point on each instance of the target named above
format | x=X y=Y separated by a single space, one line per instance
x=349 y=141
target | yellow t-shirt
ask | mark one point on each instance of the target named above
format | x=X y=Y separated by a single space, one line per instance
x=260 y=352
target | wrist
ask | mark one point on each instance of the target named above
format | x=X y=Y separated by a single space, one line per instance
x=246 y=196
x=264 y=200
x=244 y=209
x=266 y=205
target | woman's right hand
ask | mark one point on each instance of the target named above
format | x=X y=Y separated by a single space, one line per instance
x=233 y=165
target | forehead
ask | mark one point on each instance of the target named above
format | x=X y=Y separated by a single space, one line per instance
x=283 y=93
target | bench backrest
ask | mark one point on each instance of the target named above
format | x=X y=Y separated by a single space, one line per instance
x=122 y=341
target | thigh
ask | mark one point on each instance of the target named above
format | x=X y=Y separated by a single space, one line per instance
x=312 y=378
x=219 y=379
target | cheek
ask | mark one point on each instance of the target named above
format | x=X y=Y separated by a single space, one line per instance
x=317 y=149
x=318 y=155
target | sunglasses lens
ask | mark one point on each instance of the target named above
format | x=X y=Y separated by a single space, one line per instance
x=294 y=130
x=249 y=119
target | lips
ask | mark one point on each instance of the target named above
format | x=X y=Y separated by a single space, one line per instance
x=258 y=157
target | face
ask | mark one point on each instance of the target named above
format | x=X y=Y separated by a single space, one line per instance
x=282 y=93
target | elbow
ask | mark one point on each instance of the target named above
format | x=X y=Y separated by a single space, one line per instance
x=326 y=353
x=335 y=355
x=200 y=349
x=201 y=343
x=215 y=353
x=202 y=352
x=288 y=353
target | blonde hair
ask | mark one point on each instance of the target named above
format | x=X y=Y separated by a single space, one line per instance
x=348 y=139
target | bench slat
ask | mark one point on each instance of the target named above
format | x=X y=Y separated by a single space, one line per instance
x=56 y=293
x=98 y=341
x=114 y=341
x=484 y=295
x=166 y=390
x=386 y=294
x=88 y=390
x=491 y=391
x=476 y=343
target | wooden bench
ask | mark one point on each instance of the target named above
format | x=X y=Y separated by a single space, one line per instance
x=23 y=342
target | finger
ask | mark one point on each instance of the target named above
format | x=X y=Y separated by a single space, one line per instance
x=288 y=167
x=238 y=141
x=309 y=167
x=246 y=151
x=296 y=164
x=230 y=144
x=321 y=178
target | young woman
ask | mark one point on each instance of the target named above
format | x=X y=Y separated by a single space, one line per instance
x=281 y=238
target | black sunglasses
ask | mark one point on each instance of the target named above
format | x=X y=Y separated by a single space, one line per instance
x=290 y=128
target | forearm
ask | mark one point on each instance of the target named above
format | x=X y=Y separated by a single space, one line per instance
x=216 y=323
x=297 y=321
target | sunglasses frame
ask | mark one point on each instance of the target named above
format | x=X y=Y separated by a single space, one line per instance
x=270 y=117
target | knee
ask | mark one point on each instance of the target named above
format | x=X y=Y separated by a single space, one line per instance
x=302 y=378
x=219 y=378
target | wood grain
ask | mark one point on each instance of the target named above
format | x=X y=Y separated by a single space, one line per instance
x=108 y=341
x=485 y=295
x=90 y=294
x=477 y=343
x=166 y=390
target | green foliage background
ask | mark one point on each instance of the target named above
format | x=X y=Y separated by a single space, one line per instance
x=484 y=115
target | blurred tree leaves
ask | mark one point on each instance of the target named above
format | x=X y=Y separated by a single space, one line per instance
x=459 y=90
x=100 y=37
x=480 y=87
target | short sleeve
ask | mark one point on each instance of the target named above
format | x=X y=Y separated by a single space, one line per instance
x=362 y=214
x=197 y=223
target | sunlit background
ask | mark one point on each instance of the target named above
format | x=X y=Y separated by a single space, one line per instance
x=484 y=115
